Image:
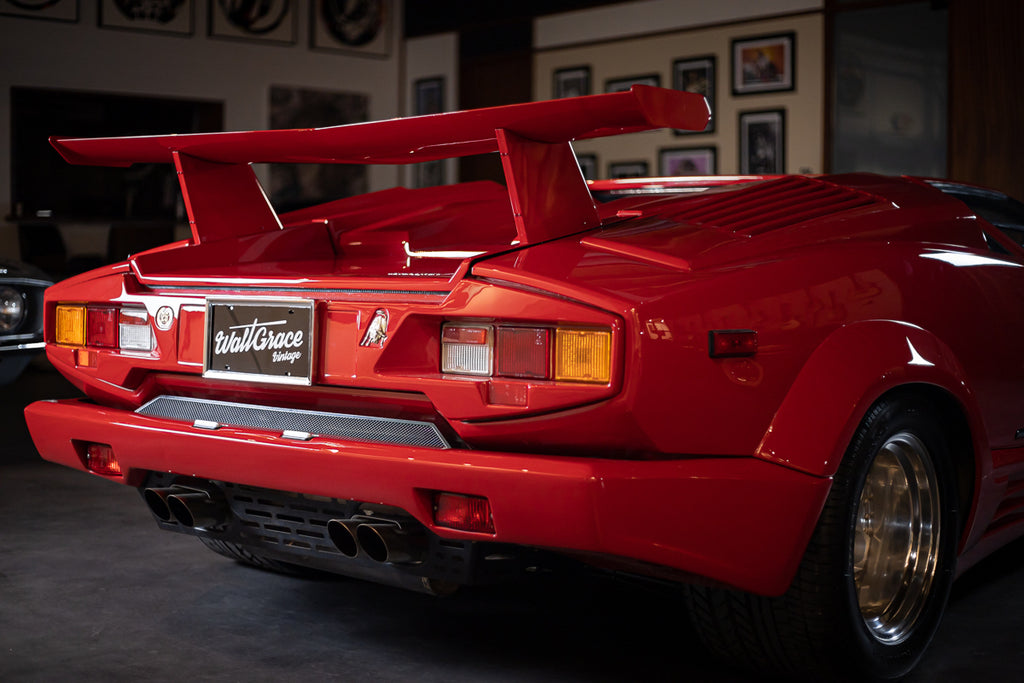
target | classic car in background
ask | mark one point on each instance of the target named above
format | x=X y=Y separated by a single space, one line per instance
x=797 y=396
x=21 y=317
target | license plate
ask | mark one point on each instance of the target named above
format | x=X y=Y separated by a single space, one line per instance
x=259 y=340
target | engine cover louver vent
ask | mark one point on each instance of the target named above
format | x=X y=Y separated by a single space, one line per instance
x=772 y=205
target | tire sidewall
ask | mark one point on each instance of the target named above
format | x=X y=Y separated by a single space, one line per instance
x=886 y=419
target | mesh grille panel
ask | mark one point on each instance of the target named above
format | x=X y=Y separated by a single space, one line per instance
x=355 y=427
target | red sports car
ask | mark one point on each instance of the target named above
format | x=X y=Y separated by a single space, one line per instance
x=799 y=396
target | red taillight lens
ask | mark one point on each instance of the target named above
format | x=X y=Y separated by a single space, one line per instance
x=464 y=513
x=101 y=327
x=99 y=458
x=523 y=352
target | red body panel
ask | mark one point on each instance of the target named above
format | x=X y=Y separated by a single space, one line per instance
x=855 y=286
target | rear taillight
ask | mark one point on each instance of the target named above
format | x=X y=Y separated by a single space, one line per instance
x=133 y=331
x=464 y=513
x=125 y=328
x=467 y=349
x=523 y=352
x=583 y=355
x=69 y=327
x=99 y=458
x=101 y=327
x=565 y=354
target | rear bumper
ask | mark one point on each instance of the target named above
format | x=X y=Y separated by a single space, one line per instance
x=741 y=521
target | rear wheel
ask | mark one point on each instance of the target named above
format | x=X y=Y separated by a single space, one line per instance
x=873 y=583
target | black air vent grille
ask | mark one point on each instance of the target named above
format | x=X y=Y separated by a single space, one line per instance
x=772 y=205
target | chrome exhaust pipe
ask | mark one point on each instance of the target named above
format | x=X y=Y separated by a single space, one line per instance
x=391 y=543
x=196 y=508
x=343 y=536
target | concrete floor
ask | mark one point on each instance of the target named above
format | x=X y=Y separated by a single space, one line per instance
x=91 y=590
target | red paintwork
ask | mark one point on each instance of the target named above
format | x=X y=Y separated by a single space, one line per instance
x=856 y=285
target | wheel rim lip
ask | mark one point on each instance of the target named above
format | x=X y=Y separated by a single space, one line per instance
x=896 y=538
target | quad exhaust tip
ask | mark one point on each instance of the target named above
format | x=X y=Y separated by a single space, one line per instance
x=383 y=541
x=189 y=507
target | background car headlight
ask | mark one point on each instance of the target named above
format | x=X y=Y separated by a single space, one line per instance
x=12 y=309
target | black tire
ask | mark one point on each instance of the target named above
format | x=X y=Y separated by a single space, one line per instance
x=834 y=622
x=240 y=554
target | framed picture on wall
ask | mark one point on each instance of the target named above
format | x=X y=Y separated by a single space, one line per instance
x=628 y=169
x=362 y=28
x=588 y=165
x=573 y=81
x=620 y=84
x=696 y=75
x=763 y=142
x=687 y=161
x=137 y=15
x=763 y=64
x=268 y=22
x=55 y=10
x=428 y=95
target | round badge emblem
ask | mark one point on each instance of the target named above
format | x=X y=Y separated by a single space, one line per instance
x=164 y=318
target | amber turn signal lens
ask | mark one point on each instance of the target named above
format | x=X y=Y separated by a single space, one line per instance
x=583 y=355
x=70 y=325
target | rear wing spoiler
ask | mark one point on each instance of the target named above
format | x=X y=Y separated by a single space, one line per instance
x=549 y=197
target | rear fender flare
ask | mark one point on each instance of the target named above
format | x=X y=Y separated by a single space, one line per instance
x=843 y=377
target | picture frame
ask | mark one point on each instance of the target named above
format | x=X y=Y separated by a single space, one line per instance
x=573 y=81
x=696 y=75
x=762 y=142
x=428 y=95
x=273 y=23
x=51 y=10
x=588 y=166
x=628 y=169
x=764 y=64
x=365 y=29
x=688 y=161
x=627 y=82
x=177 y=19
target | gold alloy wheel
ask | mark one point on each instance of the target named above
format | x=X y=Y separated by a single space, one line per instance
x=896 y=538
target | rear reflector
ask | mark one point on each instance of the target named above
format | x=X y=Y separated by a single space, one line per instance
x=732 y=343
x=99 y=458
x=583 y=355
x=523 y=352
x=467 y=349
x=70 y=325
x=464 y=513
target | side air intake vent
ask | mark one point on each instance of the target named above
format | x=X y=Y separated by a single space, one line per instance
x=355 y=427
x=772 y=205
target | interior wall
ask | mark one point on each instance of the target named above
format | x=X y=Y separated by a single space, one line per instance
x=649 y=16
x=654 y=54
x=82 y=56
x=986 y=140
x=435 y=56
